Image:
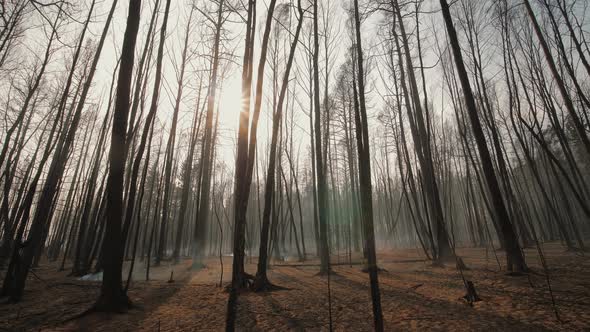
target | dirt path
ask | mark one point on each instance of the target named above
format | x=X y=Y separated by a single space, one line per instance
x=415 y=296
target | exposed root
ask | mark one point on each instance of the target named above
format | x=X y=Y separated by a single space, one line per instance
x=575 y=250
x=379 y=269
x=117 y=303
x=262 y=284
x=104 y=304
x=325 y=272
x=78 y=316
x=437 y=263
x=246 y=281
x=518 y=273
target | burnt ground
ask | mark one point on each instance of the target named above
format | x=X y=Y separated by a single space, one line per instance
x=414 y=294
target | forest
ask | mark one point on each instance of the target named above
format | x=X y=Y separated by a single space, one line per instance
x=320 y=165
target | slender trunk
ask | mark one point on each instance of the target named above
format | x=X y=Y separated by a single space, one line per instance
x=112 y=297
x=365 y=177
x=514 y=255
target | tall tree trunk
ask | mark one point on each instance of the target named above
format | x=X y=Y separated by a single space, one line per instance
x=112 y=298
x=187 y=176
x=514 y=255
x=206 y=153
x=365 y=177
x=261 y=282
x=319 y=162
x=420 y=132
x=168 y=160
x=46 y=201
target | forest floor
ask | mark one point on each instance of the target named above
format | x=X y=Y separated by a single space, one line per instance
x=414 y=295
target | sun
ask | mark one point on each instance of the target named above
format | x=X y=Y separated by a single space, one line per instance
x=230 y=101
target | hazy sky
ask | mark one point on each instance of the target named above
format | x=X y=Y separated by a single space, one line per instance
x=230 y=97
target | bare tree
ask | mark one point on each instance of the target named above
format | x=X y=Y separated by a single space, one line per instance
x=112 y=296
x=514 y=256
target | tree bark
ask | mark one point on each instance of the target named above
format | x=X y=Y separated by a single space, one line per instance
x=112 y=298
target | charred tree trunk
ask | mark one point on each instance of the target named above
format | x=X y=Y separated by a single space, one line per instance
x=362 y=132
x=514 y=255
x=112 y=298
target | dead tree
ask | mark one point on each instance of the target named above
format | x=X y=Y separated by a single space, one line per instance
x=206 y=153
x=364 y=155
x=514 y=256
x=261 y=282
x=112 y=298
x=36 y=236
x=324 y=252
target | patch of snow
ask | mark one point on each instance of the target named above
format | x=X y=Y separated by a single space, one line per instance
x=92 y=277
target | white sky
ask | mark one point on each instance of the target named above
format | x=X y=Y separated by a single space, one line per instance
x=229 y=98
